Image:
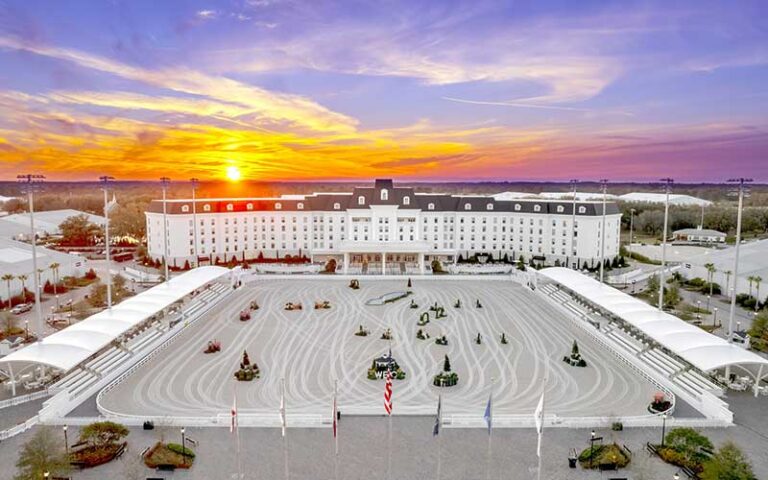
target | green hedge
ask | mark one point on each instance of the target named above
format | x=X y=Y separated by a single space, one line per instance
x=176 y=448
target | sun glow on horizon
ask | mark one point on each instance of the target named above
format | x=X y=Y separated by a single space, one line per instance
x=233 y=173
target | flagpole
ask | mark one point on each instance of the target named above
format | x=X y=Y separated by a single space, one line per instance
x=389 y=447
x=284 y=422
x=540 y=431
x=335 y=430
x=490 y=432
x=237 y=435
x=439 y=436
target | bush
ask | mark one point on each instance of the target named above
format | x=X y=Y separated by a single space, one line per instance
x=610 y=454
x=175 y=447
x=90 y=275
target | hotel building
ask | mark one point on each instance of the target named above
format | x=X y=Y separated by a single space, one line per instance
x=381 y=228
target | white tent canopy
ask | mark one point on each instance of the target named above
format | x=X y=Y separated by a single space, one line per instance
x=69 y=347
x=703 y=350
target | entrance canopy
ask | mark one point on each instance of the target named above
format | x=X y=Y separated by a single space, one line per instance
x=703 y=350
x=71 y=346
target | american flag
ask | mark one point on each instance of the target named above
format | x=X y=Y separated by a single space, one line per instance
x=388 y=393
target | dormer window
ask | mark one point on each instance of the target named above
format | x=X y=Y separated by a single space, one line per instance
x=230 y=207
x=384 y=195
x=278 y=206
x=206 y=208
x=300 y=206
x=489 y=206
x=249 y=206
x=361 y=200
x=517 y=207
x=582 y=209
x=185 y=208
x=337 y=206
x=406 y=200
x=430 y=206
x=560 y=209
x=467 y=206
x=537 y=208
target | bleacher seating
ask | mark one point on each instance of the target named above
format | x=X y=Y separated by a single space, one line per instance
x=656 y=358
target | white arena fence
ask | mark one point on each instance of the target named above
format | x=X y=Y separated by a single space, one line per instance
x=18 y=400
x=285 y=268
x=480 y=269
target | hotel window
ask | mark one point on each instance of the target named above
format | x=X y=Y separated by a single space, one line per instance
x=537 y=208
x=249 y=206
x=361 y=200
x=467 y=206
x=560 y=209
x=300 y=206
x=278 y=206
x=431 y=206
x=517 y=207
x=337 y=206
x=582 y=209
x=206 y=208
x=230 y=207
x=406 y=200
x=384 y=195
x=185 y=208
x=489 y=206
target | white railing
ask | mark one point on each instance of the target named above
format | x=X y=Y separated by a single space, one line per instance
x=29 y=397
x=20 y=428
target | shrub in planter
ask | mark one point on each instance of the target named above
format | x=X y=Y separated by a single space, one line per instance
x=617 y=426
x=175 y=447
x=504 y=338
x=423 y=319
x=442 y=340
x=361 y=332
x=478 y=339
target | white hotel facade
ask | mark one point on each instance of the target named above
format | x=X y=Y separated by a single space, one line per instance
x=385 y=227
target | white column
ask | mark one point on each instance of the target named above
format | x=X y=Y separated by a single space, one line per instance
x=383 y=263
x=421 y=263
x=13 y=380
x=757 y=379
x=346 y=263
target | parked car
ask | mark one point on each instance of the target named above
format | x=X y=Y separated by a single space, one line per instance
x=22 y=308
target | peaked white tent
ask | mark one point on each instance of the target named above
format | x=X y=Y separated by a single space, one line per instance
x=69 y=347
x=703 y=350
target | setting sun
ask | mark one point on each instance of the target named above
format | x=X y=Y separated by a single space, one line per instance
x=233 y=173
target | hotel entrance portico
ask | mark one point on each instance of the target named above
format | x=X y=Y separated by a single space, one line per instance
x=384 y=257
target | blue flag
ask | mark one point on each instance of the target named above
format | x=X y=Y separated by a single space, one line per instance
x=488 y=415
x=438 y=418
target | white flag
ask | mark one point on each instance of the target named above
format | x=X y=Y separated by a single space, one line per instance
x=111 y=204
x=538 y=417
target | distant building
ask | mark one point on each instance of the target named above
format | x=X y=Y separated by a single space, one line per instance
x=699 y=235
x=674 y=199
x=380 y=226
x=16 y=259
x=579 y=196
x=47 y=223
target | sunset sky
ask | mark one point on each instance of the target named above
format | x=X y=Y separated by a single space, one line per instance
x=441 y=90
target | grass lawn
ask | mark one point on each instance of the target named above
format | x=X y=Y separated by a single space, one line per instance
x=160 y=454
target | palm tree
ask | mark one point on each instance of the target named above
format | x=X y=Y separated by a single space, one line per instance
x=710 y=275
x=727 y=279
x=750 y=279
x=23 y=279
x=8 y=278
x=757 y=280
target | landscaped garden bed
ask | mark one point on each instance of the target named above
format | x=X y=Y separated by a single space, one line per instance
x=162 y=455
x=604 y=457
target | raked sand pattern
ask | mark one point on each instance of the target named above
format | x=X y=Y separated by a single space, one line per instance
x=312 y=348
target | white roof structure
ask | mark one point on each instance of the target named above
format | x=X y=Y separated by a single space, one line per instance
x=512 y=195
x=67 y=348
x=674 y=199
x=701 y=349
x=46 y=223
x=579 y=196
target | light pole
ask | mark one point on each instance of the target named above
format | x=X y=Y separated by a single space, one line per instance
x=667 y=189
x=26 y=329
x=709 y=297
x=66 y=442
x=676 y=476
x=164 y=181
x=663 y=427
x=46 y=474
x=604 y=186
x=742 y=191
x=194 y=182
x=591 y=446
x=30 y=183
x=104 y=181
x=698 y=306
x=574 y=183
x=183 y=448
x=714 y=319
